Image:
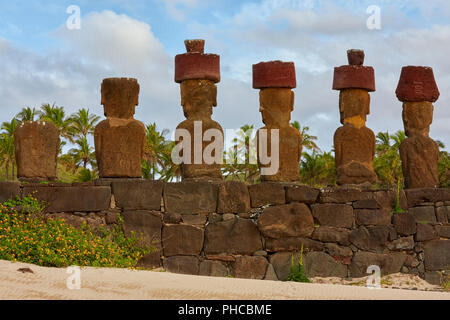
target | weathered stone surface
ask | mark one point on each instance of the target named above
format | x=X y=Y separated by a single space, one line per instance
x=292 y=244
x=270 y=273
x=337 y=251
x=366 y=204
x=437 y=255
x=145 y=223
x=179 y=239
x=355 y=150
x=425 y=232
x=112 y=216
x=250 y=267
x=281 y=262
x=423 y=214
x=443 y=231
x=172 y=218
x=151 y=260
x=386 y=199
x=72 y=199
x=354 y=77
x=334 y=215
x=372 y=238
x=276 y=105
x=366 y=217
x=119 y=148
x=417 y=196
x=290 y=220
x=266 y=194
x=138 y=195
x=388 y=263
x=238 y=236
x=417 y=84
x=302 y=194
x=355 y=57
x=195 y=64
x=182 y=264
x=190 y=197
x=320 y=264
x=442 y=214
x=198 y=220
x=198 y=97
x=36 y=146
x=404 y=223
x=420 y=156
x=433 y=277
x=211 y=268
x=274 y=74
x=329 y=234
x=9 y=190
x=233 y=197
x=344 y=195
x=406 y=243
x=120 y=96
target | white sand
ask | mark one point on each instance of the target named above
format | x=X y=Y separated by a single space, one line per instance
x=50 y=283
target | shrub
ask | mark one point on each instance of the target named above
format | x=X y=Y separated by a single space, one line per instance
x=297 y=273
x=27 y=236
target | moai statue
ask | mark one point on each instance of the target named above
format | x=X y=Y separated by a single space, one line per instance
x=197 y=73
x=120 y=139
x=417 y=90
x=277 y=141
x=354 y=143
x=36 y=145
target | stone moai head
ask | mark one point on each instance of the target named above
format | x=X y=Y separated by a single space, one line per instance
x=417 y=90
x=354 y=81
x=197 y=74
x=120 y=96
x=275 y=79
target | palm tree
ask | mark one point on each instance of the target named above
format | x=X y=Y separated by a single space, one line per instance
x=83 y=123
x=156 y=151
x=27 y=114
x=387 y=163
x=7 y=146
x=57 y=116
x=307 y=139
x=84 y=154
x=383 y=142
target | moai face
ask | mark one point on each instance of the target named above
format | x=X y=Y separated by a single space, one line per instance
x=120 y=96
x=417 y=118
x=198 y=97
x=276 y=105
x=354 y=106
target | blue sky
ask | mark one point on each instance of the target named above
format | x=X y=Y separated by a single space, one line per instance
x=42 y=61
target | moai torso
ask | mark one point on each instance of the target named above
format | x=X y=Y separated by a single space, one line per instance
x=275 y=79
x=354 y=143
x=197 y=74
x=120 y=139
x=36 y=149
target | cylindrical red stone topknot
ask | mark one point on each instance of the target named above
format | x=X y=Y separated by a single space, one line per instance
x=194 y=64
x=274 y=74
x=417 y=84
x=354 y=75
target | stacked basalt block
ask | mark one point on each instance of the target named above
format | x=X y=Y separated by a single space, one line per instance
x=417 y=90
x=197 y=73
x=120 y=139
x=36 y=145
x=276 y=79
x=354 y=143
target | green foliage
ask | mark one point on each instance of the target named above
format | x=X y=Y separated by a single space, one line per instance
x=297 y=273
x=318 y=169
x=387 y=163
x=31 y=238
x=444 y=169
x=397 y=208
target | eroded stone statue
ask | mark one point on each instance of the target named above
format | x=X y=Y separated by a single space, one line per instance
x=354 y=143
x=120 y=139
x=36 y=145
x=276 y=79
x=419 y=153
x=202 y=138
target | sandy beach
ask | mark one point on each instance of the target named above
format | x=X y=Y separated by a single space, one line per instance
x=104 y=283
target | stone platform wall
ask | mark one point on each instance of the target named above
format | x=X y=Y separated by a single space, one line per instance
x=231 y=229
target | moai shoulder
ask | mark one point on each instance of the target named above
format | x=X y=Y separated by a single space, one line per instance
x=36 y=146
